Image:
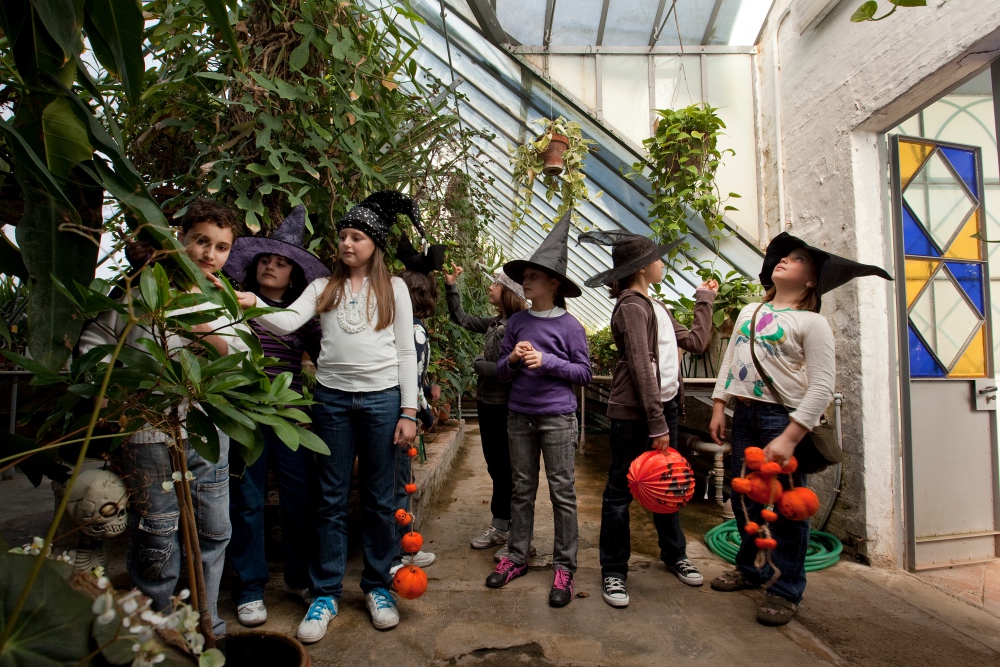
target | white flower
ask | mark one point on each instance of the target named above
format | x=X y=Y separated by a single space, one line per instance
x=129 y=605
x=176 y=476
x=188 y=475
x=185 y=594
x=103 y=582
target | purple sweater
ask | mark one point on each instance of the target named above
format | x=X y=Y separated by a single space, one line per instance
x=565 y=362
x=288 y=349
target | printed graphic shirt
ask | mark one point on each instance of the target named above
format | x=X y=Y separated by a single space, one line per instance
x=786 y=340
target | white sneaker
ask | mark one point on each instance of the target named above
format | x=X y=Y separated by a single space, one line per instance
x=394 y=569
x=614 y=591
x=303 y=593
x=382 y=607
x=313 y=626
x=491 y=537
x=420 y=559
x=252 y=614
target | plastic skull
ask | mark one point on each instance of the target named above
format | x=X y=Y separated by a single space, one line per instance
x=97 y=503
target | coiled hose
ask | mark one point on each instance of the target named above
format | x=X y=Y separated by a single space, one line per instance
x=824 y=548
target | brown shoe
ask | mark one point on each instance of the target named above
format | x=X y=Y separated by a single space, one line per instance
x=775 y=610
x=727 y=582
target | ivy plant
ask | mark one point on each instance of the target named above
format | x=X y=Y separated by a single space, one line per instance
x=867 y=11
x=735 y=292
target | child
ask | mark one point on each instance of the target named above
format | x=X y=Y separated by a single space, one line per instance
x=366 y=405
x=795 y=345
x=276 y=269
x=645 y=398
x=208 y=231
x=544 y=354
x=492 y=395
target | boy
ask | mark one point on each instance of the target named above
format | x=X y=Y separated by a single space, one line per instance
x=208 y=231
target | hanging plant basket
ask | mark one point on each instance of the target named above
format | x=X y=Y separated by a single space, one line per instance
x=552 y=158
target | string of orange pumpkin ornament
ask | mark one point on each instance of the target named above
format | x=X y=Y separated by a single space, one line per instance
x=410 y=581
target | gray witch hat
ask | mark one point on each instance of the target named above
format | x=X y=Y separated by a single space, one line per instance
x=286 y=241
x=552 y=256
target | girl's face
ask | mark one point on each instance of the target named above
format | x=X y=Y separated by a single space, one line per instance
x=495 y=290
x=274 y=272
x=796 y=270
x=355 y=247
x=208 y=245
x=538 y=284
x=654 y=272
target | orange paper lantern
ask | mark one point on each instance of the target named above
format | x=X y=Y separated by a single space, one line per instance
x=410 y=488
x=662 y=482
x=798 y=504
x=412 y=542
x=410 y=582
x=403 y=518
x=754 y=457
x=763 y=489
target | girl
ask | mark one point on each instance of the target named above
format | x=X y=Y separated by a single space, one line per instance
x=492 y=395
x=366 y=405
x=795 y=346
x=645 y=399
x=277 y=270
x=543 y=354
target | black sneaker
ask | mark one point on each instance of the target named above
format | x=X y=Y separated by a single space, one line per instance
x=614 y=591
x=562 y=588
x=687 y=572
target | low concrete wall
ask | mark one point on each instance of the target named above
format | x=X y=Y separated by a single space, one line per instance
x=432 y=473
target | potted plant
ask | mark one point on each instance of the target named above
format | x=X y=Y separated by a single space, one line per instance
x=556 y=157
x=681 y=164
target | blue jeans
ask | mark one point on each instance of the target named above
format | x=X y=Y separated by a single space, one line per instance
x=155 y=548
x=361 y=424
x=247 y=497
x=554 y=437
x=629 y=439
x=755 y=425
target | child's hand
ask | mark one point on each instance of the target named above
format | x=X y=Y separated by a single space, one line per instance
x=661 y=443
x=533 y=359
x=456 y=271
x=519 y=351
x=435 y=393
x=406 y=432
x=717 y=427
x=246 y=299
x=780 y=449
x=214 y=279
x=710 y=285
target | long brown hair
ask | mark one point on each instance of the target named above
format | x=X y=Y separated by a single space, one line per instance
x=808 y=301
x=618 y=286
x=423 y=292
x=510 y=302
x=380 y=288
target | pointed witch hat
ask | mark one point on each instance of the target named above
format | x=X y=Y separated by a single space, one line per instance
x=376 y=215
x=286 y=241
x=552 y=257
x=629 y=253
x=832 y=271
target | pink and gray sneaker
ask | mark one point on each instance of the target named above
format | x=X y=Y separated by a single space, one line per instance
x=506 y=571
x=562 y=588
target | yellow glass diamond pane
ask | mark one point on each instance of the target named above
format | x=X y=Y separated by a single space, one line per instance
x=964 y=246
x=973 y=361
x=911 y=157
x=918 y=272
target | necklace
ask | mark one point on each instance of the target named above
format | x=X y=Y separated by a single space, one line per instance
x=353 y=315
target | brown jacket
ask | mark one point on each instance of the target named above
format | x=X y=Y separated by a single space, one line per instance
x=635 y=386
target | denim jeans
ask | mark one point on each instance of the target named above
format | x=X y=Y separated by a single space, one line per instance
x=155 y=555
x=247 y=497
x=496 y=451
x=629 y=439
x=554 y=437
x=353 y=424
x=755 y=425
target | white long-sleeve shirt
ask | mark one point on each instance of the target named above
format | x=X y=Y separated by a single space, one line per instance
x=367 y=360
x=795 y=348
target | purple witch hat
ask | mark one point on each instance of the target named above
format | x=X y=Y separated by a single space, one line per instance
x=286 y=241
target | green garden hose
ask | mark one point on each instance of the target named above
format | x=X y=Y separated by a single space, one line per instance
x=824 y=548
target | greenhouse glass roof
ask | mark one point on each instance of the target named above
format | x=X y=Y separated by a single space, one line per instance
x=503 y=94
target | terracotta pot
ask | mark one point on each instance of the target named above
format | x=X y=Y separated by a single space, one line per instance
x=553 y=156
x=265 y=649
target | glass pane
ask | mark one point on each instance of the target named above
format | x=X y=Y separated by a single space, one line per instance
x=970 y=278
x=525 y=21
x=577 y=74
x=973 y=362
x=629 y=23
x=915 y=241
x=626 y=91
x=922 y=363
x=944 y=318
x=575 y=23
x=744 y=19
x=911 y=156
x=964 y=163
x=938 y=200
x=966 y=245
x=918 y=272
x=692 y=18
x=677 y=81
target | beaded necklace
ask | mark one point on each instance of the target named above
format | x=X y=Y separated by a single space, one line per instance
x=352 y=314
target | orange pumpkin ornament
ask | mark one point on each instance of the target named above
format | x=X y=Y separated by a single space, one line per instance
x=410 y=488
x=798 y=504
x=751 y=528
x=403 y=518
x=754 y=457
x=768 y=515
x=763 y=489
x=412 y=542
x=766 y=543
x=770 y=468
x=412 y=452
x=791 y=466
x=740 y=485
x=410 y=582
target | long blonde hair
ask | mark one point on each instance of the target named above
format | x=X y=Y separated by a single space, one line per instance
x=380 y=288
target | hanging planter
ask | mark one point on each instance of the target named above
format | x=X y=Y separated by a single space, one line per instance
x=552 y=158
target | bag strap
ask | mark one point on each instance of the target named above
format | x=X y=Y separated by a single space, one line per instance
x=756 y=361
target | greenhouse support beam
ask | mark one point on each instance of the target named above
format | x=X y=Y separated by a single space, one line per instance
x=617 y=50
x=489 y=24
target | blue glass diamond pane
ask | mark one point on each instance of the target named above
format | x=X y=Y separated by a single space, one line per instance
x=922 y=364
x=970 y=278
x=915 y=241
x=964 y=163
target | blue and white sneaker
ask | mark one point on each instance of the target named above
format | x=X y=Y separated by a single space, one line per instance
x=382 y=607
x=313 y=626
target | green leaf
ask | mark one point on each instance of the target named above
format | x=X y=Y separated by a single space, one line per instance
x=293 y=413
x=189 y=362
x=66 y=143
x=202 y=435
x=300 y=55
x=235 y=430
x=718 y=317
x=220 y=20
x=62 y=23
x=865 y=12
x=909 y=3
x=213 y=657
x=311 y=441
x=147 y=287
x=117 y=26
x=223 y=406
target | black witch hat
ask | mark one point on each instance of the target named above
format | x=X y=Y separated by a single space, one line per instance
x=375 y=216
x=832 y=271
x=551 y=257
x=629 y=253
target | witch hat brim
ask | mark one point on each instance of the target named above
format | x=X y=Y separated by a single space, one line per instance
x=633 y=265
x=414 y=260
x=287 y=242
x=832 y=271
x=552 y=257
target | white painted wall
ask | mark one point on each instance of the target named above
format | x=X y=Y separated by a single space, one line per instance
x=842 y=85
